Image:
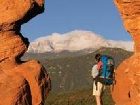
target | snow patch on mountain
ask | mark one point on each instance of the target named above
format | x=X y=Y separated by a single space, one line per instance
x=75 y=41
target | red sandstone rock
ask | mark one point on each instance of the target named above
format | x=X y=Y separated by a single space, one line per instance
x=21 y=83
x=130 y=12
x=14 y=90
x=127 y=88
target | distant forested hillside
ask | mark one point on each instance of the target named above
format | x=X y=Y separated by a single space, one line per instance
x=70 y=71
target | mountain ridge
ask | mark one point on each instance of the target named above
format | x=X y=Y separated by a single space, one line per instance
x=75 y=41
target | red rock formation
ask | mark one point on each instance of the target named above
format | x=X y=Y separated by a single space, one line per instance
x=21 y=83
x=127 y=88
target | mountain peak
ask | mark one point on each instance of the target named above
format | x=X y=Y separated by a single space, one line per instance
x=74 y=41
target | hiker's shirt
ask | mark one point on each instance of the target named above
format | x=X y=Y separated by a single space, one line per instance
x=94 y=71
x=99 y=65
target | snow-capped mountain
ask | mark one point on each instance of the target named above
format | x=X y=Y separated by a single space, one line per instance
x=75 y=41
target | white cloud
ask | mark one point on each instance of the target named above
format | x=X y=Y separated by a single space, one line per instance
x=74 y=41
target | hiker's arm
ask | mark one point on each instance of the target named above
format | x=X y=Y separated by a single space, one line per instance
x=114 y=76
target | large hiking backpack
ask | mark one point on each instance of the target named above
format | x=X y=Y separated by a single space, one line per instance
x=106 y=74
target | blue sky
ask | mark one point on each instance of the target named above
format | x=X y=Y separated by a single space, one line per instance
x=61 y=16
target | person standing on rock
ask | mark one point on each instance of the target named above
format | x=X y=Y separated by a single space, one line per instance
x=97 y=86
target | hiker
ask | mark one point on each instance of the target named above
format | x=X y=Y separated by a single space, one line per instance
x=97 y=87
x=105 y=67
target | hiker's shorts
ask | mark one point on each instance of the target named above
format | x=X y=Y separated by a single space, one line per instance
x=97 y=90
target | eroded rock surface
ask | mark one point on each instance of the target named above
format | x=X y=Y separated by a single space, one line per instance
x=127 y=88
x=21 y=83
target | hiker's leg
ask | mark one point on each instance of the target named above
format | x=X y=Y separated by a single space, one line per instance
x=97 y=92
x=101 y=88
x=98 y=100
x=102 y=92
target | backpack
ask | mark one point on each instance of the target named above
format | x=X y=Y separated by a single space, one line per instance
x=106 y=73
